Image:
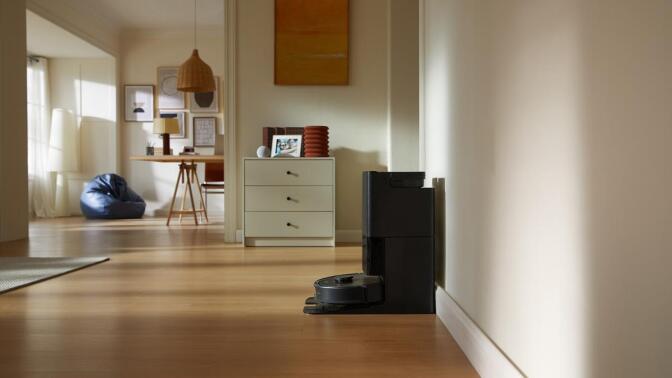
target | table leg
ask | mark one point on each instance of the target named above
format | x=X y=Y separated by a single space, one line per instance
x=172 y=202
x=200 y=193
x=184 y=193
x=191 y=195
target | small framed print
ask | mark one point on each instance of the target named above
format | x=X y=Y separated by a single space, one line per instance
x=286 y=146
x=180 y=120
x=139 y=103
x=205 y=102
x=168 y=95
x=205 y=131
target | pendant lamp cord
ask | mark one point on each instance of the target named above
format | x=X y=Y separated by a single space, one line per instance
x=194 y=24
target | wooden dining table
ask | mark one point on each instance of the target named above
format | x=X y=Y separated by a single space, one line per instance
x=188 y=176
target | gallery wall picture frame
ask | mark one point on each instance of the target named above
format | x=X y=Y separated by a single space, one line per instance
x=138 y=103
x=205 y=102
x=166 y=87
x=181 y=120
x=205 y=131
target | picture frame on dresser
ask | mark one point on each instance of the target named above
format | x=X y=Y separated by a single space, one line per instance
x=289 y=202
x=286 y=146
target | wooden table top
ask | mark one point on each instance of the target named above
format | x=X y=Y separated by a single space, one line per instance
x=180 y=158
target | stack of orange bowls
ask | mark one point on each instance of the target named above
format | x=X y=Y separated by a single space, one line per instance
x=316 y=141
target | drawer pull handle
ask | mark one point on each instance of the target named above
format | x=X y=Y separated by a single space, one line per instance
x=289 y=198
x=292 y=225
x=290 y=173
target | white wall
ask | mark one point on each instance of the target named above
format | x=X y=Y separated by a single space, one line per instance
x=76 y=17
x=356 y=114
x=550 y=123
x=88 y=88
x=403 y=113
x=143 y=51
x=13 y=132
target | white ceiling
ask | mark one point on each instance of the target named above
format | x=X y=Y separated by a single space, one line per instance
x=159 y=14
x=46 y=39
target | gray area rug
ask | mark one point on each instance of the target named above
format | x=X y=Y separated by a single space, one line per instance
x=17 y=272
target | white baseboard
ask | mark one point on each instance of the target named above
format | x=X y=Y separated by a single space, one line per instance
x=349 y=236
x=488 y=360
x=342 y=236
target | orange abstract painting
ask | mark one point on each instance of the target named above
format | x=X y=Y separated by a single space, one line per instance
x=311 y=42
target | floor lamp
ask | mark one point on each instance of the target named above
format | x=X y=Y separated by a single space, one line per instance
x=63 y=155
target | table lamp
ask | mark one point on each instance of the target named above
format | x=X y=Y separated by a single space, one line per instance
x=165 y=127
x=63 y=154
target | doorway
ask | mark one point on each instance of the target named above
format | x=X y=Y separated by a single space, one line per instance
x=72 y=116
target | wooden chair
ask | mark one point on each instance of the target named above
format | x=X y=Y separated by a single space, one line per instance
x=214 y=180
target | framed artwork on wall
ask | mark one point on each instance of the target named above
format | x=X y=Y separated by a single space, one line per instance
x=181 y=118
x=168 y=95
x=311 y=42
x=205 y=102
x=205 y=131
x=138 y=103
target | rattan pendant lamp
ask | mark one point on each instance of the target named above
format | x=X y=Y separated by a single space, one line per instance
x=195 y=75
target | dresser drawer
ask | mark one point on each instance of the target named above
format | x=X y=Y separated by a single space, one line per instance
x=289 y=198
x=288 y=224
x=289 y=172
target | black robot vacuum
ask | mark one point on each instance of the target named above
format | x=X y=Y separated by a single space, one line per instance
x=397 y=252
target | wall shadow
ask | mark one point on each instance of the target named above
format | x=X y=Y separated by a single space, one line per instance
x=439 y=185
x=627 y=133
x=349 y=167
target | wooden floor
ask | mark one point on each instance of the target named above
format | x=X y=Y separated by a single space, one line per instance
x=178 y=302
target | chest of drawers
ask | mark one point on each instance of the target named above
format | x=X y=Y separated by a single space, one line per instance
x=289 y=202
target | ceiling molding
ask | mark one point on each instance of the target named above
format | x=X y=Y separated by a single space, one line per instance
x=67 y=15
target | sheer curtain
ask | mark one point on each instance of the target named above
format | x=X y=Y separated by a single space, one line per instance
x=41 y=188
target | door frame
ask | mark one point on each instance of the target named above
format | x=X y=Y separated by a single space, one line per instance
x=231 y=121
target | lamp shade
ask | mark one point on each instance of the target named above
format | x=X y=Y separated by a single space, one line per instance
x=63 y=149
x=166 y=126
x=195 y=75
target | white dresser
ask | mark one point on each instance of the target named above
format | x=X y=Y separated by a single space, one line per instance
x=289 y=202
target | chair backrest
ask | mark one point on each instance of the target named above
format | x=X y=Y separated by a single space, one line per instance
x=214 y=172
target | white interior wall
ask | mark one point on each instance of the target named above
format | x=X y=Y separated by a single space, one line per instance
x=143 y=51
x=87 y=87
x=403 y=91
x=13 y=133
x=76 y=17
x=356 y=114
x=550 y=123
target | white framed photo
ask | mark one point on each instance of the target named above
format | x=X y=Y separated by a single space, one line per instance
x=168 y=95
x=139 y=103
x=286 y=146
x=205 y=102
x=181 y=119
x=205 y=131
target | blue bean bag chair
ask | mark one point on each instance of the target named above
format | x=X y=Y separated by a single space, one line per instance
x=109 y=197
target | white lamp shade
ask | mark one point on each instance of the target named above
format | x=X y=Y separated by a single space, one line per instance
x=166 y=126
x=63 y=151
